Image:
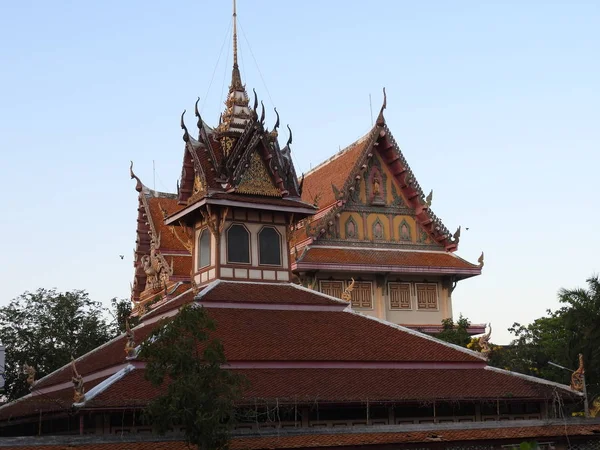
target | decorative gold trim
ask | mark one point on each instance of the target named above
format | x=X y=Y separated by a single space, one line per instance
x=77 y=380
x=577 y=376
x=256 y=180
x=347 y=294
x=30 y=372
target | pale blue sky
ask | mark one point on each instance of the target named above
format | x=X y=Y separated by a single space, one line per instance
x=495 y=105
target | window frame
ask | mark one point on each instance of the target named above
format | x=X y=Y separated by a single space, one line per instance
x=411 y=306
x=341 y=283
x=199 y=252
x=364 y=308
x=280 y=246
x=249 y=263
x=437 y=297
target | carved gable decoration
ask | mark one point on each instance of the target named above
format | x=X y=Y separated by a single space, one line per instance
x=256 y=180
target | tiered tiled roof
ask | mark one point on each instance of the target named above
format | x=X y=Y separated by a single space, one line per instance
x=294 y=344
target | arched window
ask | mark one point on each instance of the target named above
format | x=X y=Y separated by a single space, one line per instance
x=203 y=249
x=238 y=244
x=269 y=243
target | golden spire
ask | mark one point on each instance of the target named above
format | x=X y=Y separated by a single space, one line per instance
x=236 y=79
x=236 y=114
x=234 y=35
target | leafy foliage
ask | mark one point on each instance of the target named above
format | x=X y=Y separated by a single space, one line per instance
x=455 y=333
x=201 y=395
x=559 y=337
x=44 y=328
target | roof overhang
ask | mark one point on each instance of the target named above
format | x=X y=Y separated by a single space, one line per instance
x=461 y=273
x=298 y=210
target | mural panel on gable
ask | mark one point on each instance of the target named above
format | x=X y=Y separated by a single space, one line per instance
x=352 y=226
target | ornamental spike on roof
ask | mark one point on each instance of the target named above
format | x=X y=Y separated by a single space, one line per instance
x=236 y=114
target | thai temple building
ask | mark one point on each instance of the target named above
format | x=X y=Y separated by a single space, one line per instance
x=318 y=285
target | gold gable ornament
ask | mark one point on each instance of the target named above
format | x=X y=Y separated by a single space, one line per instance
x=130 y=341
x=30 y=372
x=484 y=341
x=347 y=294
x=577 y=381
x=256 y=180
x=77 y=380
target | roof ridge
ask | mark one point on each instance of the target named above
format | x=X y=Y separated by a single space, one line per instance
x=105 y=384
x=533 y=379
x=419 y=334
x=339 y=153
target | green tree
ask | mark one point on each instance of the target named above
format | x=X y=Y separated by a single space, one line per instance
x=559 y=337
x=200 y=395
x=455 y=333
x=121 y=310
x=44 y=328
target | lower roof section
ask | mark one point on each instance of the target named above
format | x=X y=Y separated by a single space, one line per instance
x=384 y=260
x=426 y=435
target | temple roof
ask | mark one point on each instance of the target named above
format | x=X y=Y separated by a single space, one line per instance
x=292 y=343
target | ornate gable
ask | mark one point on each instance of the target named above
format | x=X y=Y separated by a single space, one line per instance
x=371 y=183
x=256 y=180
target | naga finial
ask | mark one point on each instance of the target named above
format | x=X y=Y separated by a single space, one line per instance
x=456 y=235
x=277 y=122
x=77 y=380
x=429 y=198
x=380 y=118
x=186 y=135
x=197 y=114
x=577 y=376
x=139 y=185
x=255 y=108
x=480 y=261
x=289 y=141
x=262 y=112
x=347 y=294
x=130 y=342
x=484 y=341
x=30 y=372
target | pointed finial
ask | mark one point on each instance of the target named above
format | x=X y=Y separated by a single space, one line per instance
x=456 y=235
x=429 y=198
x=480 y=261
x=380 y=118
x=235 y=63
x=277 y=122
x=139 y=185
x=255 y=108
x=289 y=141
x=262 y=112
x=186 y=135
x=197 y=113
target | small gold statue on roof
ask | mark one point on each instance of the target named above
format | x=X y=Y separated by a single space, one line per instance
x=77 y=380
x=484 y=341
x=30 y=372
x=577 y=376
x=130 y=342
x=347 y=294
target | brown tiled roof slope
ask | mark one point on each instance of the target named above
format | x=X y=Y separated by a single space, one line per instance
x=281 y=335
x=354 y=256
x=349 y=385
x=110 y=354
x=271 y=293
x=335 y=170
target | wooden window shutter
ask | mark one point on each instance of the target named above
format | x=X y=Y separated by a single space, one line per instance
x=333 y=288
x=362 y=295
x=400 y=296
x=427 y=296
